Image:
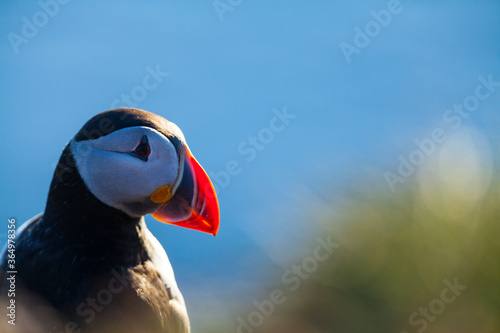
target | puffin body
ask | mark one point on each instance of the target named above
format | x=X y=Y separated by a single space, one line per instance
x=90 y=255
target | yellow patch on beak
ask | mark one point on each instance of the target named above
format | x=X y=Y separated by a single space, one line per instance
x=162 y=195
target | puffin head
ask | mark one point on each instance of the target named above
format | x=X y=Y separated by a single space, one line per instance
x=139 y=163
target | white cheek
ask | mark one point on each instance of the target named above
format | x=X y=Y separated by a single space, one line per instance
x=118 y=178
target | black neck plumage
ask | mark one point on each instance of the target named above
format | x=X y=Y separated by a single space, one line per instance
x=78 y=219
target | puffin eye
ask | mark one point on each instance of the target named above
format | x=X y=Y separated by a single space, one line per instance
x=143 y=150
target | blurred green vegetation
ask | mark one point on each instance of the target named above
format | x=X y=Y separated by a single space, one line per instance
x=397 y=250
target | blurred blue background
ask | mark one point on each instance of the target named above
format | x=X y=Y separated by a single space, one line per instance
x=227 y=72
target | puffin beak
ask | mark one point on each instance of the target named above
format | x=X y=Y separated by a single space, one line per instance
x=194 y=202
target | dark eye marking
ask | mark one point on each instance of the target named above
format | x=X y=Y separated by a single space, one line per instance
x=143 y=150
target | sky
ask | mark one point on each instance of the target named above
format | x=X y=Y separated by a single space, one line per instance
x=331 y=90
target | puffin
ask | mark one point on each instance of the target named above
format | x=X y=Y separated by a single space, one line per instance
x=89 y=257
